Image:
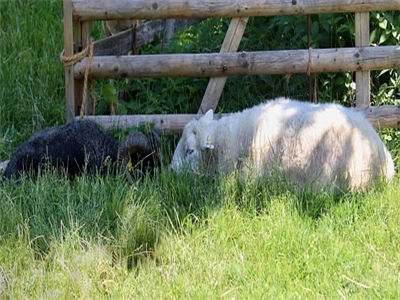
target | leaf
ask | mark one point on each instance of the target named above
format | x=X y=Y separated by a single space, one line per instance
x=387 y=137
x=110 y=93
x=383 y=72
x=372 y=37
x=388 y=16
x=383 y=24
x=383 y=38
x=314 y=28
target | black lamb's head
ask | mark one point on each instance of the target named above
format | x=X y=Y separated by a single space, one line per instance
x=140 y=153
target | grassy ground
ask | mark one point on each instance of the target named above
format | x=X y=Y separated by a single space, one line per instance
x=186 y=236
x=171 y=236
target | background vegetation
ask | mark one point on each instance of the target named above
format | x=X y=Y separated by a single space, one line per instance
x=175 y=236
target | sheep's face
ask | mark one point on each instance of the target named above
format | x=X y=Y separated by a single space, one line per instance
x=194 y=144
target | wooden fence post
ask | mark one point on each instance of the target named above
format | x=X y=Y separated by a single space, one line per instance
x=68 y=51
x=82 y=40
x=363 y=86
x=78 y=83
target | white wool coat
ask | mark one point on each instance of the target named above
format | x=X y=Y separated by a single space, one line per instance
x=323 y=146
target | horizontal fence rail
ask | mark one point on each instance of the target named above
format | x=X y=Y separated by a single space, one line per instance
x=242 y=63
x=385 y=116
x=158 y=9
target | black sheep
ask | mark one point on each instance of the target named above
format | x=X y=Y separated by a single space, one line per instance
x=83 y=145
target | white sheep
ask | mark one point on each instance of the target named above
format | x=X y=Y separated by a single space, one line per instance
x=322 y=146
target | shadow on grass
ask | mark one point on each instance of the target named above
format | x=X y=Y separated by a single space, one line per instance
x=131 y=218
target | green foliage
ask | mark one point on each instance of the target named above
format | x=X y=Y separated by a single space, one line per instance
x=385 y=83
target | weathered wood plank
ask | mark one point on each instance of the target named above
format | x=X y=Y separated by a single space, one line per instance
x=147 y=32
x=363 y=78
x=169 y=123
x=216 y=85
x=386 y=116
x=86 y=40
x=82 y=40
x=78 y=83
x=243 y=63
x=68 y=51
x=169 y=33
x=160 y=9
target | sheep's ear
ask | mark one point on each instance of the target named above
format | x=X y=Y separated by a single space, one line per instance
x=209 y=116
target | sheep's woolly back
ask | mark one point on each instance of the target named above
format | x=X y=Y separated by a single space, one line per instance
x=76 y=145
x=325 y=145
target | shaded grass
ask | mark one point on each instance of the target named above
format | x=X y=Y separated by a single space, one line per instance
x=280 y=253
x=175 y=236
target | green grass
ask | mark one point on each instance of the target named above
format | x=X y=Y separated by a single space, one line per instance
x=188 y=236
x=31 y=75
x=180 y=236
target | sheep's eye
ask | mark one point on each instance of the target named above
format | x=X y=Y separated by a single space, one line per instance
x=189 y=151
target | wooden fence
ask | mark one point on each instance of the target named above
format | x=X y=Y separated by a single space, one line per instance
x=361 y=59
